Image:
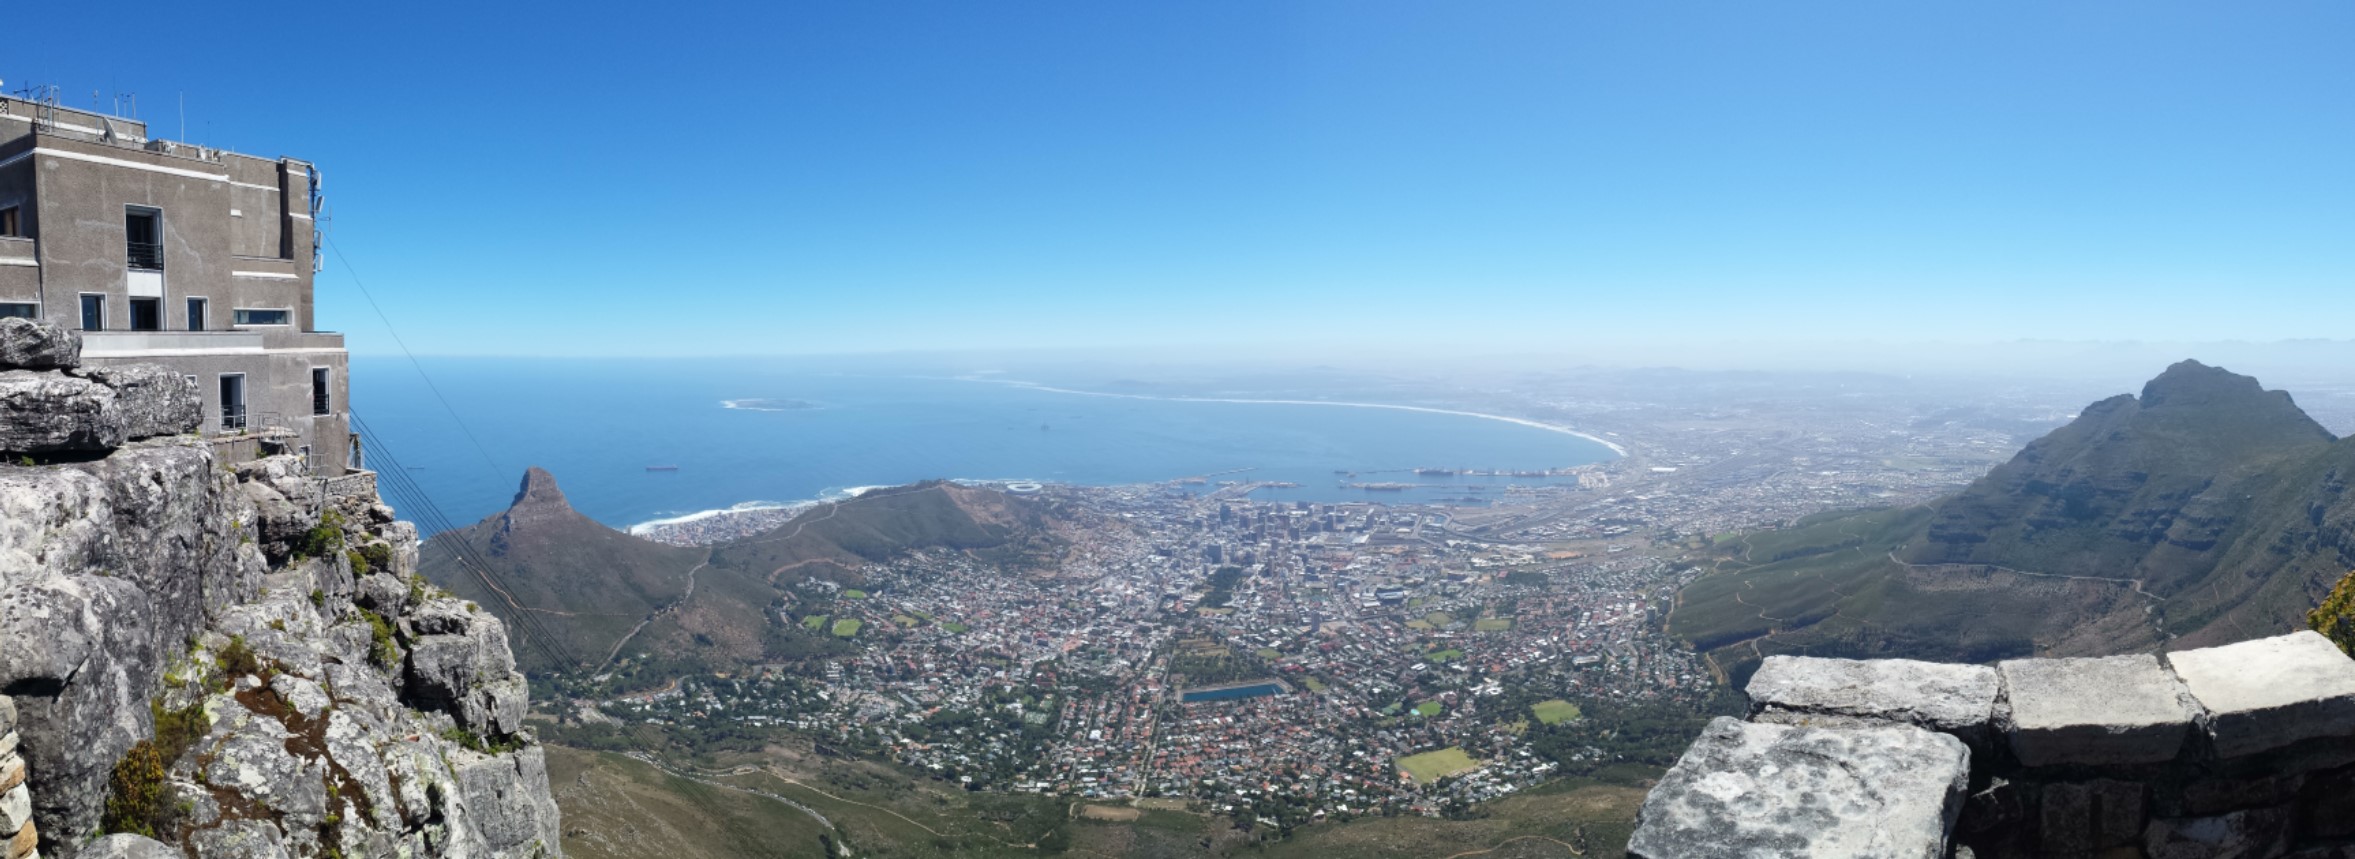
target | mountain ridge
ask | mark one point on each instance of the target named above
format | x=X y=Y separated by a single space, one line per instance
x=702 y=608
x=2204 y=510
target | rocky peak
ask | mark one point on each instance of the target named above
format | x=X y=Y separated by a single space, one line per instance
x=538 y=501
x=2191 y=383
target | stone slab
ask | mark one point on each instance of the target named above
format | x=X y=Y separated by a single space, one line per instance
x=38 y=344
x=2271 y=692
x=1747 y=789
x=2106 y=710
x=154 y=400
x=49 y=412
x=1955 y=699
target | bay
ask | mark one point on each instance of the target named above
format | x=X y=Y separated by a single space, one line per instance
x=756 y=432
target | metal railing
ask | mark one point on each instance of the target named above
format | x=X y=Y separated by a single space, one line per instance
x=233 y=418
x=146 y=256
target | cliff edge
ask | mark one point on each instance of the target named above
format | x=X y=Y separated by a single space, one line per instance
x=207 y=650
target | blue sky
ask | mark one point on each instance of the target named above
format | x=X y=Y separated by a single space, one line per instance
x=1359 y=178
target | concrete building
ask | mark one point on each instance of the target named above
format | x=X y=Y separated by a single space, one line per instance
x=164 y=252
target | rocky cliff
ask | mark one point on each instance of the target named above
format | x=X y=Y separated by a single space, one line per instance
x=207 y=651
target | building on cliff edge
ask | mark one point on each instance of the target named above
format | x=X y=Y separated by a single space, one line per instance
x=166 y=253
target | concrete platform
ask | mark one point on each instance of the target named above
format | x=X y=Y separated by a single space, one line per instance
x=2271 y=692
x=1746 y=790
x=2107 y=710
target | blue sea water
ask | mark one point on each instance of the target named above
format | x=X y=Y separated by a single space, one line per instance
x=597 y=425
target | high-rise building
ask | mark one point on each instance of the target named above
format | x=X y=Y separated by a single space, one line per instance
x=164 y=252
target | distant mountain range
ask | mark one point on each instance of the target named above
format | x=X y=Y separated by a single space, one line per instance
x=2206 y=510
x=583 y=593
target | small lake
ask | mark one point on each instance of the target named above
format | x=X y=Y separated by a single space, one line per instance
x=1231 y=692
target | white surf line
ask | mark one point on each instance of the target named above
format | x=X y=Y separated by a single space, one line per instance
x=1614 y=446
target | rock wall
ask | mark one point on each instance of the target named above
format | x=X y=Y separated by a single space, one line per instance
x=220 y=658
x=2245 y=750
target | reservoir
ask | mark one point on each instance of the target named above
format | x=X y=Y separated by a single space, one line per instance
x=1230 y=693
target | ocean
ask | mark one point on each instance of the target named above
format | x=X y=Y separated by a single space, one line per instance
x=760 y=433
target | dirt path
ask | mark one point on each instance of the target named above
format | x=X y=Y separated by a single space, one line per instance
x=1501 y=845
x=682 y=600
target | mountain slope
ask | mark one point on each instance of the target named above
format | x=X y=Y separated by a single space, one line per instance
x=2205 y=510
x=588 y=585
x=604 y=594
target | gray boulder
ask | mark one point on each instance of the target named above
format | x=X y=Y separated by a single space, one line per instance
x=38 y=344
x=1746 y=790
x=154 y=400
x=43 y=413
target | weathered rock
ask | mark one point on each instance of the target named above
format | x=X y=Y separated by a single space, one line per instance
x=2107 y=710
x=38 y=344
x=127 y=847
x=49 y=413
x=110 y=567
x=81 y=695
x=1748 y=790
x=508 y=798
x=1953 y=699
x=465 y=669
x=2270 y=692
x=154 y=400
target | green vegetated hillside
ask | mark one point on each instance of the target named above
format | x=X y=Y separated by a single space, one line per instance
x=2204 y=511
x=594 y=591
x=781 y=803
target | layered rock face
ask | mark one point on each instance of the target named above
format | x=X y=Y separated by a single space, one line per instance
x=2245 y=750
x=231 y=659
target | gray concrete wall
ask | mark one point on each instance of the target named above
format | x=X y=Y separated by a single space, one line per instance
x=277 y=394
x=236 y=232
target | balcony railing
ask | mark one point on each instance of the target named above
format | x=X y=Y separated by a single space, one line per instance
x=146 y=256
x=232 y=418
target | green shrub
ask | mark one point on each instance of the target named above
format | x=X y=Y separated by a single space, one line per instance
x=381 y=649
x=139 y=798
x=325 y=537
x=475 y=742
x=237 y=660
x=359 y=561
x=2335 y=617
x=379 y=555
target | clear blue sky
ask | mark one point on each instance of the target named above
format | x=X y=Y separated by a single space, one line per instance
x=692 y=178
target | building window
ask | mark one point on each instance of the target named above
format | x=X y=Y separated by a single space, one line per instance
x=319 y=399
x=93 y=312
x=261 y=316
x=147 y=314
x=143 y=236
x=196 y=314
x=25 y=309
x=8 y=223
x=232 y=401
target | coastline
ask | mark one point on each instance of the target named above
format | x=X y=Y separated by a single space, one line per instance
x=677 y=529
x=1613 y=446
